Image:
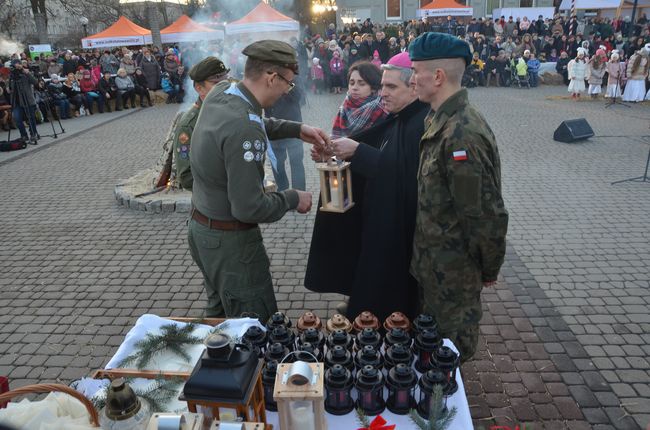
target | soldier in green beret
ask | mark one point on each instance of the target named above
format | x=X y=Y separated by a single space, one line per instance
x=229 y=148
x=205 y=74
x=461 y=224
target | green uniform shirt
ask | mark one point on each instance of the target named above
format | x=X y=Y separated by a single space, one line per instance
x=227 y=159
x=182 y=141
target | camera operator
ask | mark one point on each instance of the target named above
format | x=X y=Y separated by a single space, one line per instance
x=23 y=103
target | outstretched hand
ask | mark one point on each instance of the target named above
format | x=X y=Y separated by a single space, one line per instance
x=313 y=135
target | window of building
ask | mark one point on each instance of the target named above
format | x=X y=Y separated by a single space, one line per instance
x=491 y=5
x=393 y=9
x=525 y=3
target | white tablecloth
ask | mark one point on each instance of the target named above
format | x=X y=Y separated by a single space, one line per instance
x=547 y=68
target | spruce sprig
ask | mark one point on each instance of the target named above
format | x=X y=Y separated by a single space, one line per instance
x=362 y=418
x=439 y=416
x=158 y=395
x=172 y=338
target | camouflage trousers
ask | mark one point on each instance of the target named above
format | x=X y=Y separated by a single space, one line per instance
x=235 y=269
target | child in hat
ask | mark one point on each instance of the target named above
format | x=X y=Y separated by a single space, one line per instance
x=596 y=72
x=317 y=76
x=615 y=75
x=577 y=70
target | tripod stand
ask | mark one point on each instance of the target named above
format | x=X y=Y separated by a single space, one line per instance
x=644 y=178
x=49 y=113
x=613 y=100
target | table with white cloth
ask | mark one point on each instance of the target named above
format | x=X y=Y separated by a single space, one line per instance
x=236 y=328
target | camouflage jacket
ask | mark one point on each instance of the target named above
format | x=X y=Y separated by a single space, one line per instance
x=461 y=219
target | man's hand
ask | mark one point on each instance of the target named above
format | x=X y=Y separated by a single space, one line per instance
x=344 y=148
x=313 y=135
x=320 y=154
x=304 y=202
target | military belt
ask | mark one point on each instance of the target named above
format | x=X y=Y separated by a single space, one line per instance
x=220 y=225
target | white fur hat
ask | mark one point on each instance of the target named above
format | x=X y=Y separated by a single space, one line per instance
x=582 y=51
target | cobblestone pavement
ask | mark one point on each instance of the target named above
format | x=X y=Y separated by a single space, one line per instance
x=565 y=335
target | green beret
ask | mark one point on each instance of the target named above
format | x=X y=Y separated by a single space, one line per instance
x=207 y=68
x=435 y=46
x=274 y=52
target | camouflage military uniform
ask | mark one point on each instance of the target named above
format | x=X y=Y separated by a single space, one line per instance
x=182 y=140
x=461 y=221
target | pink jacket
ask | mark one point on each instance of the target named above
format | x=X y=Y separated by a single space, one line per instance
x=317 y=73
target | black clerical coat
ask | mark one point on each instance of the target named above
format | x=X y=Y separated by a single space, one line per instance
x=366 y=252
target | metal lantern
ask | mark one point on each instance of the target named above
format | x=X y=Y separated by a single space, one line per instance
x=426 y=343
x=339 y=355
x=340 y=337
x=227 y=381
x=427 y=384
x=123 y=410
x=368 y=356
x=447 y=361
x=365 y=319
x=368 y=336
x=299 y=393
x=335 y=186
x=397 y=354
x=401 y=381
x=337 y=322
x=268 y=382
x=309 y=353
x=396 y=336
x=308 y=320
x=278 y=319
x=421 y=322
x=397 y=319
x=277 y=352
x=338 y=387
x=313 y=336
x=369 y=383
x=257 y=338
x=283 y=336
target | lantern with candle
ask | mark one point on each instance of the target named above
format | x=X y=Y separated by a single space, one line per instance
x=308 y=320
x=335 y=186
x=365 y=319
x=369 y=383
x=428 y=382
x=401 y=381
x=277 y=352
x=421 y=322
x=340 y=337
x=338 y=322
x=278 y=319
x=283 y=336
x=339 y=355
x=309 y=353
x=426 y=343
x=257 y=338
x=313 y=336
x=368 y=336
x=397 y=335
x=299 y=393
x=268 y=382
x=226 y=382
x=397 y=354
x=338 y=387
x=447 y=360
x=397 y=319
x=368 y=356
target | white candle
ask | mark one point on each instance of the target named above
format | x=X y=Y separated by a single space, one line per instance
x=302 y=416
x=334 y=191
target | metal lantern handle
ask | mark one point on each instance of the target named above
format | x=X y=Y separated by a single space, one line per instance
x=302 y=374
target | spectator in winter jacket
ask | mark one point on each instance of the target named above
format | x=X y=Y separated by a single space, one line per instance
x=150 y=69
x=533 y=69
x=128 y=64
x=73 y=91
x=141 y=86
x=562 y=66
x=169 y=88
x=90 y=92
x=109 y=63
x=55 y=90
x=108 y=91
x=491 y=70
x=125 y=89
x=337 y=70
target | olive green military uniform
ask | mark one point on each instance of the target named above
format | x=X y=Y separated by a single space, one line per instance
x=229 y=143
x=182 y=140
x=461 y=221
x=208 y=68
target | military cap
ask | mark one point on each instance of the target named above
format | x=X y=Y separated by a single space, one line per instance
x=274 y=52
x=435 y=46
x=207 y=68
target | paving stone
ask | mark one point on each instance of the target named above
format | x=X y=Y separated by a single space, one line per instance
x=583 y=396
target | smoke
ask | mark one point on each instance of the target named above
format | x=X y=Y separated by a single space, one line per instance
x=9 y=47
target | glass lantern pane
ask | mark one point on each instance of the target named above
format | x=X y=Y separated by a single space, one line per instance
x=301 y=414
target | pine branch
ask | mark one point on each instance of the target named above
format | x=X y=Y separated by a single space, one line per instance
x=362 y=418
x=158 y=395
x=439 y=416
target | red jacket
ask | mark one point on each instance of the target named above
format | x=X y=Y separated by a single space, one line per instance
x=87 y=85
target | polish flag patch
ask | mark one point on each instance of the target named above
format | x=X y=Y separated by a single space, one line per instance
x=460 y=155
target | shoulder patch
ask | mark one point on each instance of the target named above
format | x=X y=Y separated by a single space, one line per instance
x=183 y=138
x=247 y=146
x=248 y=156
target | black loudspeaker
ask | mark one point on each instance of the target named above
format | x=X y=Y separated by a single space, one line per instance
x=573 y=130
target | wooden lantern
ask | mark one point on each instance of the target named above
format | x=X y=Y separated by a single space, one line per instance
x=335 y=186
x=299 y=392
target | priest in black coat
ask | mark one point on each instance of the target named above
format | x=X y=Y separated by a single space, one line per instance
x=365 y=253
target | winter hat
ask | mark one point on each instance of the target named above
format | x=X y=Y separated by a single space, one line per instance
x=601 y=53
x=375 y=54
x=400 y=60
x=55 y=77
x=615 y=56
x=582 y=51
x=315 y=61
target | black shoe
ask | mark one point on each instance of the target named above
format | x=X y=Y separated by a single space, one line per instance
x=142 y=105
x=117 y=109
x=126 y=106
x=132 y=105
x=33 y=140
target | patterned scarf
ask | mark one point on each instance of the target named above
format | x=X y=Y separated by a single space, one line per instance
x=356 y=115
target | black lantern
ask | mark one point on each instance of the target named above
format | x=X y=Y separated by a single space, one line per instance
x=309 y=353
x=397 y=335
x=338 y=387
x=370 y=387
x=447 y=361
x=397 y=354
x=268 y=382
x=278 y=319
x=428 y=383
x=368 y=356
x=256 y=337
x=426 y=342
x=313 y=336
x=283 y=336
x=368 y=336
x=339 y=355
x=340 y=337
x=277 y=352
x=421 y=322
x=401 y=382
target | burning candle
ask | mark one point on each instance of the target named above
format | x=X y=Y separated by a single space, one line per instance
x=334 y=191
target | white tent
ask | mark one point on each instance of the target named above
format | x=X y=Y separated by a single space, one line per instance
x=591 y=4
x=184 y=29
x=263 y=19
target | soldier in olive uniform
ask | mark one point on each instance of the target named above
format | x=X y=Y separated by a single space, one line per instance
x=459 y=243
x=205 y=74
x=229 y=146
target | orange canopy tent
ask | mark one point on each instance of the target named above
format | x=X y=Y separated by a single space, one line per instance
x=184 y=29
x=445 y=8
x=263 y=19
x=123 y=33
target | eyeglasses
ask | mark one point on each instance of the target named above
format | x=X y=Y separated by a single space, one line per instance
x=291 y=84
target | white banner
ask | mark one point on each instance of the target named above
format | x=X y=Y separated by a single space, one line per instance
x=191 y=36
x=461 y=11
x=257 y=27
x=108 y=42
x=40 y=48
